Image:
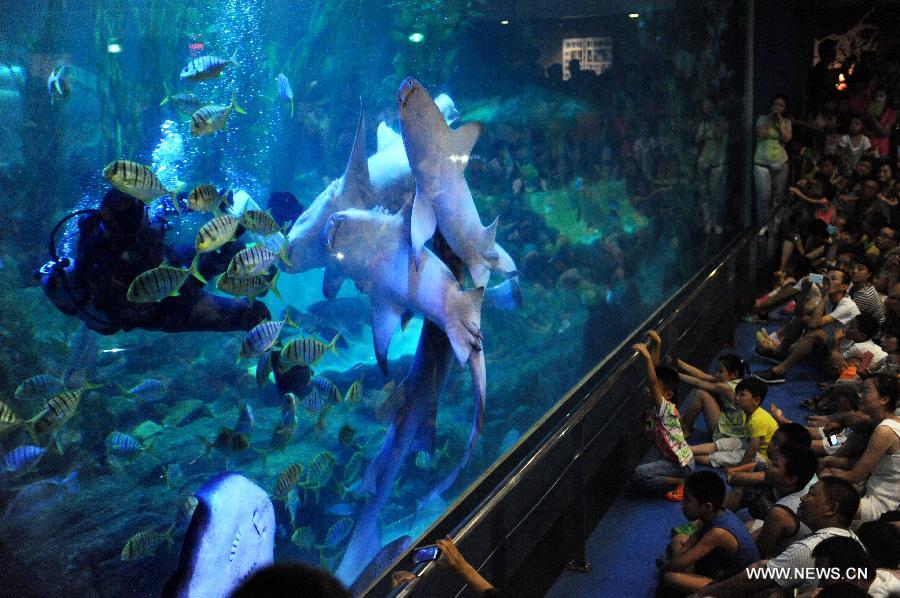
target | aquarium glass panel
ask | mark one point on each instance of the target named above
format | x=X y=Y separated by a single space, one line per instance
x=281 y=280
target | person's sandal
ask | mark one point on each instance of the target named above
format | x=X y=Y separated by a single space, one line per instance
x=676 y=495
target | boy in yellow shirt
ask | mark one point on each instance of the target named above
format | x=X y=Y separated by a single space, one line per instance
x=749 y=396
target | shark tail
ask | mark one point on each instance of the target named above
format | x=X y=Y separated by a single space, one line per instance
x=463 y=323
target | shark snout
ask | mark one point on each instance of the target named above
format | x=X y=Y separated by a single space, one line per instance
x=407 y=88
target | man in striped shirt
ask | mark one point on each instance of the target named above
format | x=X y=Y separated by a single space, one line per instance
x=863 y=291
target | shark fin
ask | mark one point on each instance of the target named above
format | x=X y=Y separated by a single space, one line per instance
x=356 y=177
x=464 y=323
x=461 y=142
x=488 y=241
x=386 y=136
x=332 y=281
x=385 y=319
x=423 y=223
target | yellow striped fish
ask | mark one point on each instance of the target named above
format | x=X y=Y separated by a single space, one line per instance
x=260 y=222
x=205 y=198
x=355 y=392
x=144 y=543
x=160 y=282
x=254 y=261
x=261 y=337
x=248 y=287
x=215 y=233
x=137 y=181
x=287 y=479
x=306 y=350
x=210 y=119
x=8 y=418
x=206 y=67
x=59 y=409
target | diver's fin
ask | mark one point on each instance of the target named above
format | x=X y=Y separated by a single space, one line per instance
x=386 y=136
x=461 y=142
x=385 y=319
x=332 y=281
x=423 y=223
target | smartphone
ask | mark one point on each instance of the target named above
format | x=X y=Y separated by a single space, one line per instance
x=816 y=278
x=426 y=553
x=833 y=440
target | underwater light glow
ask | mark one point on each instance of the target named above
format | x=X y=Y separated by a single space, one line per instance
x=113 y=46
x=416 y=37
x=633 y=15
x=504 y=22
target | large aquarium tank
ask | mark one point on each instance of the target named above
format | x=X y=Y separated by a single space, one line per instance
x=281 y=280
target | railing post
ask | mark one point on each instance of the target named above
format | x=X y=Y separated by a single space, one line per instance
x=578 y=525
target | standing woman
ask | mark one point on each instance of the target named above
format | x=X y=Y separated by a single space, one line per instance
x=711 y=141
x=770 y=161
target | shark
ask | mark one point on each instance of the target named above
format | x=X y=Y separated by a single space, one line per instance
x=412 y=427
x=390 y=183
x=372 y=248
x=438 y=156
x=231 y=535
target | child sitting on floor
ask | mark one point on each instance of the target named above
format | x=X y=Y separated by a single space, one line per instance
x=761 y=427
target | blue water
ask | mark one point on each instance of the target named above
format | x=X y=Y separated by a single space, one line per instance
x=597 y=243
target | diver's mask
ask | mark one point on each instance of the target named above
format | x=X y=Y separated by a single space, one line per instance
x=59 y=282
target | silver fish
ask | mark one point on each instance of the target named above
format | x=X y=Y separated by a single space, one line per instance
x=206 y=67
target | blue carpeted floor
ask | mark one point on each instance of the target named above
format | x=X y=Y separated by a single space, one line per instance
x=624 y=546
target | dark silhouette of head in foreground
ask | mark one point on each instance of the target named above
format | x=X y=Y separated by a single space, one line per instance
x=291 y=579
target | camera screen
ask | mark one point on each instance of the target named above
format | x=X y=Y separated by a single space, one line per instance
x=426 y=553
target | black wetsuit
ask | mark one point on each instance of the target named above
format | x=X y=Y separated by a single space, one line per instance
x=119 y=242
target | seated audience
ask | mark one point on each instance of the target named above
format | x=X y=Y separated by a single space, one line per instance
x=721 y=547
x=760 y=429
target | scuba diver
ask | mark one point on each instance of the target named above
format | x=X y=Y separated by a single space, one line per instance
x=116 y=243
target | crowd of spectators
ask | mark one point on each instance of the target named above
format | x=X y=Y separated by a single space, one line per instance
x=777 y=502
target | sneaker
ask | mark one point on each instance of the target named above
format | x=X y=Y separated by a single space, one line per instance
x=676 y=495
x=769 y=377
x=767 y=354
